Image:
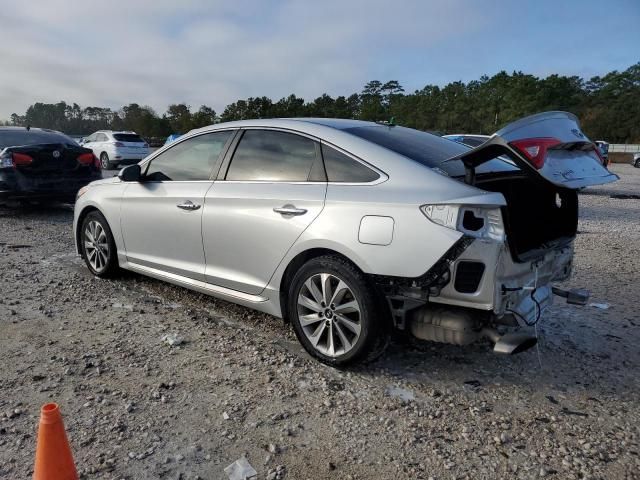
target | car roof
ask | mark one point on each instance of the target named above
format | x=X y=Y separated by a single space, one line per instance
x=337 y=123
x=14 y=128
x=302 y=124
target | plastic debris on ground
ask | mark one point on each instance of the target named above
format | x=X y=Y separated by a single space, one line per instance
x=601 y=306
x=241 y=469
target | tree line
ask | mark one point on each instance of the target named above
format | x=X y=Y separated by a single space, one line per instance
x=608 y=107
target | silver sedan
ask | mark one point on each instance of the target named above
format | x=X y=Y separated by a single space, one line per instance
x=351 y=230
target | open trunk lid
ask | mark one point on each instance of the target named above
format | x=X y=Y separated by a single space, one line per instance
x=550 y=145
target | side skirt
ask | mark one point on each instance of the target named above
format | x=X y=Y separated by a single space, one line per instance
x=256 y=302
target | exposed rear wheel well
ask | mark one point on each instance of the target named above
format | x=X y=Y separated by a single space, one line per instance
x=295 y=265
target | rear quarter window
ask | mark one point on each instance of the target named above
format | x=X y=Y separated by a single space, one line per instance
x=342 y=168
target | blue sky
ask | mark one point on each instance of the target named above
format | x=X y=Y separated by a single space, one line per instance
x=214 y=52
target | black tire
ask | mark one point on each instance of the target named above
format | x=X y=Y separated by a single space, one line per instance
x=372 y=316
x=110 y=266
x=105 y=162
x=637 y=163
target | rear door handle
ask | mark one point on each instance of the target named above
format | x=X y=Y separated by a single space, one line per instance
x=188 y=205
x=290 y=210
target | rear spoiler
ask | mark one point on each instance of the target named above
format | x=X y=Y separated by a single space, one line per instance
x=549 y=145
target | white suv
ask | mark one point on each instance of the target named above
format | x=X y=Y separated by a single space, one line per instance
x=115 y=148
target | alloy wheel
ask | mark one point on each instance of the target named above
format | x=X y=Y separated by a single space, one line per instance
x=96 y=246
x=329 y=314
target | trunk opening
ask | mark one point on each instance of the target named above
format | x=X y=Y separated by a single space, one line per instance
x=538 y=215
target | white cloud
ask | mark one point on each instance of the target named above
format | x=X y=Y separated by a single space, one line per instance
x=208 y=52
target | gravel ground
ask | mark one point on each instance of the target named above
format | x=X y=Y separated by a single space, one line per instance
x=136 y=407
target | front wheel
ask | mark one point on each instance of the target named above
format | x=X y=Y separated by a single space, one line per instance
x=335 y=312
x=637 y=163
x=98 y=245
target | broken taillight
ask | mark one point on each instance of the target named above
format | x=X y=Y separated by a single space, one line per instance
x=535 y=149
x=473 y=221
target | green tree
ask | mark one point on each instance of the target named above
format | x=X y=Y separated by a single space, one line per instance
x=203 y=117
x=179 y=116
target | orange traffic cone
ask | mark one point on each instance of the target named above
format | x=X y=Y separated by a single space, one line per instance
x=53 y=455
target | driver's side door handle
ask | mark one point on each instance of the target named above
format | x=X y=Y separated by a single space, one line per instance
x=188 y=205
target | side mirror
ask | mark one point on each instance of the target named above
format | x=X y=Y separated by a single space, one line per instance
x=132 y=173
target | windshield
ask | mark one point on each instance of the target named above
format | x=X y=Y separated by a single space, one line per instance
x=128 y=137
x=20 y=137
x=425 y=148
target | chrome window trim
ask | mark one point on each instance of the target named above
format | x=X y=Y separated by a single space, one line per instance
x=272 y=182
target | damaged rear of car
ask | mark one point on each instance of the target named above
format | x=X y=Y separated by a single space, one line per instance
x=502 y=268
x=37 y=164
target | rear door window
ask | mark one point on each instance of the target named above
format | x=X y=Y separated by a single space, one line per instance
x=342 y=168
x=272 y=156
x=190 y=160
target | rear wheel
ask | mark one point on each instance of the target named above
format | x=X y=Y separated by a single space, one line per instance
x=335 y=312
x=105 y=162
x=98 y=246
x=637 y=163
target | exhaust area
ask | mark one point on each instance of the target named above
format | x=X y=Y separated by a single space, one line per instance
x=460 y=327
